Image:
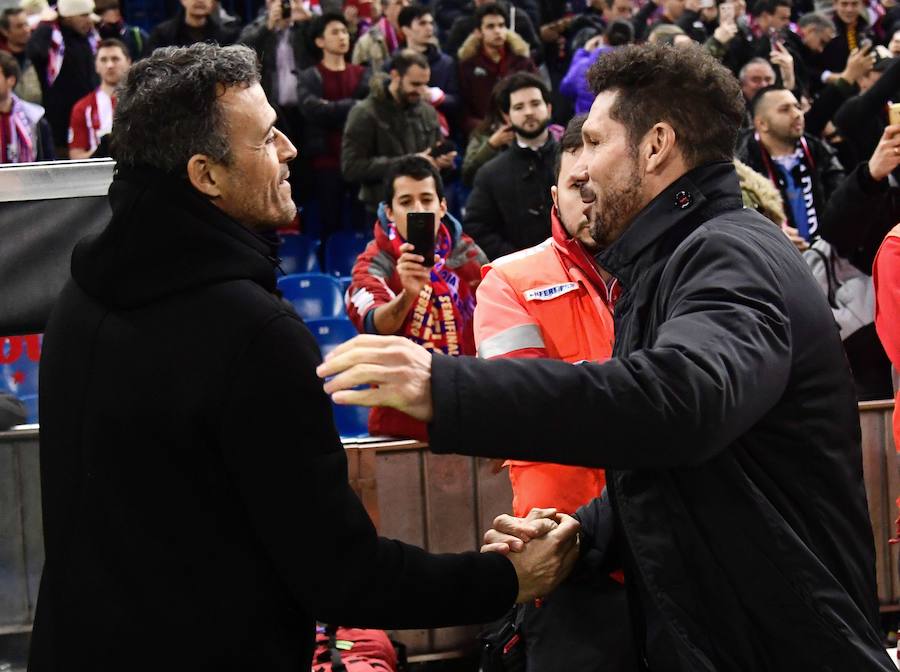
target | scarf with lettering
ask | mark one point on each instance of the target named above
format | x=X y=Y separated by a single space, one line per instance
x=444 y=308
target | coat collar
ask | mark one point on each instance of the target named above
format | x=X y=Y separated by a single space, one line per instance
x=694 y=198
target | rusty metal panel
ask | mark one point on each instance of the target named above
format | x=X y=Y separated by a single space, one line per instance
x=874 y=472
x=14 y=604
x=400 y=496
x=450 y=503
x=494 y=494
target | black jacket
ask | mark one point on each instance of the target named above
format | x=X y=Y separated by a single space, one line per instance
x=265 y=43
x=319 y=115
x=174 y=33
x=827 y=169
x=728 y=425
x=76 y=78
x=862 y=119
x=509 y=207
x=192 y=479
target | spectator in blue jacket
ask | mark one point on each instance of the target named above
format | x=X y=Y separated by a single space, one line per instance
x=575 y=85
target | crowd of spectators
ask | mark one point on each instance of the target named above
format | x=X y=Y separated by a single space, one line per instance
x=480 y=92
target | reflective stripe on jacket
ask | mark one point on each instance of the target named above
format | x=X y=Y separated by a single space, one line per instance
x=546 y=301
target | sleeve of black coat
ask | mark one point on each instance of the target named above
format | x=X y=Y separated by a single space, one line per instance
x=483 y=217
x=322 y=112
x=282 y=450
x=854 y=220
x=862 y=108
x=719 y=361
x=825 y=105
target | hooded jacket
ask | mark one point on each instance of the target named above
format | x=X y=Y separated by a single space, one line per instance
x=375 y=282
x=546 y=301
x=378 y=132
x=478 y=74
x=185 y=439
x=509 y=207
x=728 y=426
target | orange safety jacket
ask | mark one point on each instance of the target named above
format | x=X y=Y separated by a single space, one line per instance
x=886 y=276
x=547 y=301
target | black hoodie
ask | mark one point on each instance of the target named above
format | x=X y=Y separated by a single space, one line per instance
x=195 y=493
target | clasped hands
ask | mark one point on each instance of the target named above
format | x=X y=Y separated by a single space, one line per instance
x=543 y=548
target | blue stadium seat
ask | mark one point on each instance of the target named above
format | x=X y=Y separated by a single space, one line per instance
x=313 y=295
x=351 y=421
x=341 y=250
x=299 y=253
x=330 y=333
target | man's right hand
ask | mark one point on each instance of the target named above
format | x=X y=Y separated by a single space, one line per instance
x=413 y=274
x=502 y=137
x=546 y=561
x=859 y=64
x=510 y=534
x=886 y=156
x=274 y=19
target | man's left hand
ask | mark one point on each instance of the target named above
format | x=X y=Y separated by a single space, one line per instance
x=399 y=369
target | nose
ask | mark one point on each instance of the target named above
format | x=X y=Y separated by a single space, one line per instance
x=286 y=150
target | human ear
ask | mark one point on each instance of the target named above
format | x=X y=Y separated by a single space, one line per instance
x=204 y=175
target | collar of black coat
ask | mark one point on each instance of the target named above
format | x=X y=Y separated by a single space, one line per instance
x=165 y=238
x=694 y=198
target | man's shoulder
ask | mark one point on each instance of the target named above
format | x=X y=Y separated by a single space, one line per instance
x=524 y=261
x=83 y=103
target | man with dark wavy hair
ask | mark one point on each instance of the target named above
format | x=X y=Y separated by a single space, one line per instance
x=726 y=419
x=186 y=443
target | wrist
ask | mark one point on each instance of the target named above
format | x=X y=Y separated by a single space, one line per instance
x=874 y=173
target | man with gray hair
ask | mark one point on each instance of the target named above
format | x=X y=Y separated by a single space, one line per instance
x=186 y=442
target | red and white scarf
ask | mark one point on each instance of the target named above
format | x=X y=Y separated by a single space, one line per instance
x=445 y=306
x=21 y=147
x=58 y=51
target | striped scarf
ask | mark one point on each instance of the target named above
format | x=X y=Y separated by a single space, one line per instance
x=21 y=147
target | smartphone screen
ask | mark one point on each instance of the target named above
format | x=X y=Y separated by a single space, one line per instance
x=894 y=114
x=420 y=233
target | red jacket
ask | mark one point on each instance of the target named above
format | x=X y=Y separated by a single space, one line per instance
x=478 y=74
x=376 y=282
x=547 y=301
x=886 y=276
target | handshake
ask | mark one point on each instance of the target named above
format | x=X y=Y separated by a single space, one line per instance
x=543 y=548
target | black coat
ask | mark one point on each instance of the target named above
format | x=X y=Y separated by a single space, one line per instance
x=76 y=78
x=174 y=33
x=509 y=207
x=195 y=492
x=827 y=169
x=861 y=120
x=728 y=425
x=319 y=115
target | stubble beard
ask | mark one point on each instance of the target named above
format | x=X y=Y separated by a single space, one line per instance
x=531 y=134
x=615 y=208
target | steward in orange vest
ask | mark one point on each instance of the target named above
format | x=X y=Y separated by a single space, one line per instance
x=547 y=301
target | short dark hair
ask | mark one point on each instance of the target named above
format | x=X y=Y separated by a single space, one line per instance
x=410 y=13
x=490 y=9
x=416 y=167
x=7 y=14
x=762 y=93
x=9 y=66
x=769 y=6
x=319 y=24
x=114 y=43
x=619 y=32
x=404 y=59
x=168 y=105
x=518 y=81
x=570 y=142
x=687 y=88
